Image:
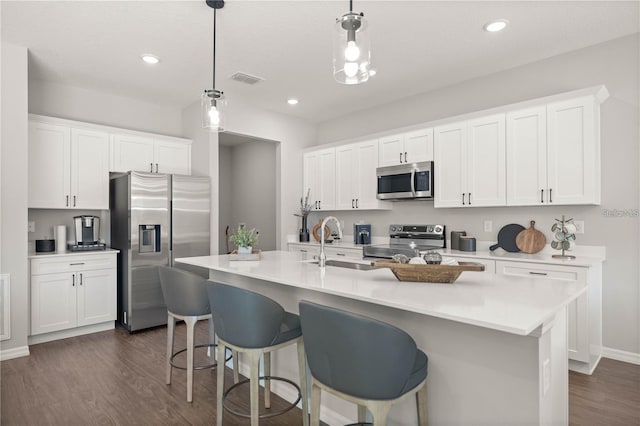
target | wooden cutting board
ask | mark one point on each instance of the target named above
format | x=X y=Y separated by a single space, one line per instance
x=531 y=240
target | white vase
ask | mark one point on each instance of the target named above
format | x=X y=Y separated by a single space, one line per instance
x=245 y=250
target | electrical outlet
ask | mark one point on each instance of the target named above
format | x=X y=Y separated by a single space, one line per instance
x=579 y=226
x=488 y=226
x=32 y=226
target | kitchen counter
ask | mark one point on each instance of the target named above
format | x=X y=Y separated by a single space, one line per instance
x=33 y=255
x=497 y=346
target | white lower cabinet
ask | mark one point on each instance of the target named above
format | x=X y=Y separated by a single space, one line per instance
x=489 y=265
x=313 y=250
x=72 y=291
x=585 y=313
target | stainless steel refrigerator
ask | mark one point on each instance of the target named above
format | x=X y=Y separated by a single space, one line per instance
x=155 y=218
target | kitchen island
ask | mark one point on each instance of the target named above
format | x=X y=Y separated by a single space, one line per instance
x=497 y=345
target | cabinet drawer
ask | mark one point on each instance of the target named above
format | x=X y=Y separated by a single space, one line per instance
x=555 y=272
x=351 y=253
x=489 y=265
x=57 y=264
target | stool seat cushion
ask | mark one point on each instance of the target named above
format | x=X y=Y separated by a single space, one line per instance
x=418 y=372
x=289 y=329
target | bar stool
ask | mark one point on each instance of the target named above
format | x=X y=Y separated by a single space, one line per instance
x=253 y=324
x=186 y=298
x=362 y=360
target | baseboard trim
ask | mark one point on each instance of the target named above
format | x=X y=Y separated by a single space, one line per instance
x=14 y=353
x=72 y=332
x=618 y=355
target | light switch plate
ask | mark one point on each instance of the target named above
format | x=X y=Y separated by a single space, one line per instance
x=488 y=226
x=579 y=226
x=32 y=226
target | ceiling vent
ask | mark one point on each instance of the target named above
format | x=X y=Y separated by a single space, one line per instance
x=246 y=78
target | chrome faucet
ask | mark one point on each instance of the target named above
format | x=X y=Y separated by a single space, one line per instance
x=322 y=260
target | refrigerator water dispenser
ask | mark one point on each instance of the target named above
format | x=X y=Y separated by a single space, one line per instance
x=149 y=239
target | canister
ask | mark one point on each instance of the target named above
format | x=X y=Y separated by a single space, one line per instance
x=467 y=243
x=455 y=239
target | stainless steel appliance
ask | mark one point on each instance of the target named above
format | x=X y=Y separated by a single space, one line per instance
x=361 y=234
x=87 y=234
x=155 y=218
x=409 y=240
x=406 y=181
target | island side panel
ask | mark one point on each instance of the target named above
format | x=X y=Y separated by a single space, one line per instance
x=476 y=375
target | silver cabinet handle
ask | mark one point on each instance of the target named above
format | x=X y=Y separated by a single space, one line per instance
x=405 y=156
x=320 y=204
x=400 y=157
x=340 y=254
x=542 y=195
x=357 y=203
x=550 y=199
x=537 y=273
x=74 y=201
x=469 y=203
x=303 y=250
x=73 y=280
x=76 y=264
x=151 y=167
x=156 y=167
x=353 y=205
x=80 y=279
x=67 y=202
x=463 y=199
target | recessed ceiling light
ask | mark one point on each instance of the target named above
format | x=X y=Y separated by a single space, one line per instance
x=150 y=59
x=497 y=25
x=292 y=101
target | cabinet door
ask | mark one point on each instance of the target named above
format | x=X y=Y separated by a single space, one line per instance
x=450 y=165
x=49 y=166
x=573 y=158
x=132 y=153
x=365 y=178
x=391 y=150
x=486 y=162
x=347 y=176
x=327 y=159
x=419 y=146
x=527 y=157
x=53 y=302
x=96 y=296
x=172 y=158
x=311 y=177
x=89 y=169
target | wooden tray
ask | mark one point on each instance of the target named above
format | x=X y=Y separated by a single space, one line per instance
x=255 y=255
x=428 y=273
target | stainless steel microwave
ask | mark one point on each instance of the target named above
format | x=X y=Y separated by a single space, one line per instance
x=405 y=181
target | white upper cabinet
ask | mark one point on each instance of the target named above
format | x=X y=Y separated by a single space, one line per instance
x=573 y=152
x=356 y=183
x=319 y=177
x=470 y=163
x=68 y=167
x=411 y=147
x=554 y=154
x=150 y=154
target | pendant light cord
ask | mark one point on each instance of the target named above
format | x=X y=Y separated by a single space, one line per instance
x=350 y=6
x=214 y=49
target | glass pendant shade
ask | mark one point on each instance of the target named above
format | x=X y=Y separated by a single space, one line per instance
x=213 y=110
x=351 y=49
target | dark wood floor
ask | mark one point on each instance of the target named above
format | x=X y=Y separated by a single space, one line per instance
x=116 y=378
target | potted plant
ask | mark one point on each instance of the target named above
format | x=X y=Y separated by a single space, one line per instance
x=244 y=239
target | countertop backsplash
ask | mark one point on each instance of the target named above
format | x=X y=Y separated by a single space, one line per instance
x=47 y=219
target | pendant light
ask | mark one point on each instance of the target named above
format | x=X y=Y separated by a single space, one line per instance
x=213 y=101
x=351 y=49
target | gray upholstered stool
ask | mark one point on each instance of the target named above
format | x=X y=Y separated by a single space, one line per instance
x=186 y=298
x=253 y=324
x=365 y=361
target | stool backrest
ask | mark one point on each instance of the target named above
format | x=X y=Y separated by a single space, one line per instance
x=244 y=318
x=354 y=354
x=184 y=292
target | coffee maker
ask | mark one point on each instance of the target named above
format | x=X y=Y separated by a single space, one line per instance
x=362 y=234
x=87 y=230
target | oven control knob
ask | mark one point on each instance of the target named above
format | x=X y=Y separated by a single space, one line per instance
x=438 y=229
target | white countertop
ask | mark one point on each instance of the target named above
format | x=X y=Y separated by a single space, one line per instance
x=108 y=250
x=505 y=303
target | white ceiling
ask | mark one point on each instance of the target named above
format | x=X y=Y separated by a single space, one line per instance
x=417 y=46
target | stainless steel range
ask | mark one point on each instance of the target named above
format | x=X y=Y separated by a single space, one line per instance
x=409 y=240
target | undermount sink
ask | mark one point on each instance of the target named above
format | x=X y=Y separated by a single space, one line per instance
x=346 y=264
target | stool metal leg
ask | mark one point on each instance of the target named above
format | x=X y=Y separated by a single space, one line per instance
x=191 y=323
x=171 y=325
x=236 y=367
x=315 y=403
x=220 y=383
x=421 y=401
x=380 y=412
x=254 y=385
x=212 y=339
x=267 y=383
x=302 y=372
x=362 y=414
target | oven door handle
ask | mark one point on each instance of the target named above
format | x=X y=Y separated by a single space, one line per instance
x=413 y=181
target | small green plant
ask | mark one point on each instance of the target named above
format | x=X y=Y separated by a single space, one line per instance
x=244 y=237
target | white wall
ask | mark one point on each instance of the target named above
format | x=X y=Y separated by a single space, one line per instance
x=225 y=196
x=13 y=192
x=615 y=64
x=91 y=106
